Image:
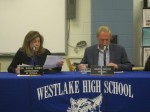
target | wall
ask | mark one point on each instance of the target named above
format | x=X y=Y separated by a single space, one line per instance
x=5 y=61
x=137 y=19
x=48 y=13
x=118 y=15
x=80 y=29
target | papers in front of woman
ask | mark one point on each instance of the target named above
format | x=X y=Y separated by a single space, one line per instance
x=52 y=61
x=22 y=65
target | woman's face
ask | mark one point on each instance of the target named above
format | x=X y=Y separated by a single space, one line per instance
x=35 y=43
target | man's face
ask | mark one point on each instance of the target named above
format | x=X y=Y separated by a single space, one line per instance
x=103 y=38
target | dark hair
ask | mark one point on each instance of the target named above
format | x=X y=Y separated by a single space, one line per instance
x=27 y=40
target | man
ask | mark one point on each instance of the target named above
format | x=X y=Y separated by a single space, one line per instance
x=115 y=54
x=147 y=65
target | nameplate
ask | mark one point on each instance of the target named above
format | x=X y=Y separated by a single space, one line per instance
x=31 y=70
x=102 y=70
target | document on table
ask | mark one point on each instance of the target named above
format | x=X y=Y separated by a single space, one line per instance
x=51 y=61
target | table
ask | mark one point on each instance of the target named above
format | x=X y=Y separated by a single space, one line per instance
x=75 y=92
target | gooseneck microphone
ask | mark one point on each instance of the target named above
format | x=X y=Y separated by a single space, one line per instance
x=34 y=55
x=105 y=49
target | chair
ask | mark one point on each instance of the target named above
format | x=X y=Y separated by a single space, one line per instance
x=70 y=66
x=114 y=39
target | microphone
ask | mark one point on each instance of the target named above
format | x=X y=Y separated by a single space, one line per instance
x=34 y=55
x=104 y=48
x=34 y=49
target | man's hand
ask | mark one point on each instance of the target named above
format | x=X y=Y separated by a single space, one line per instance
x=82 y=66
x=113 y=64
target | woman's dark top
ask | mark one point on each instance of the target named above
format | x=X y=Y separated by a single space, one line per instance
x=22 y=58
x=147 y=65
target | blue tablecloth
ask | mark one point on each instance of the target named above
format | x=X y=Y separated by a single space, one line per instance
x=75 y=92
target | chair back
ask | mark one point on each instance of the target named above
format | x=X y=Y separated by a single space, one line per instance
x=70 y=66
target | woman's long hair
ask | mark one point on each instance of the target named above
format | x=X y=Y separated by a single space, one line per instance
x=27 y=40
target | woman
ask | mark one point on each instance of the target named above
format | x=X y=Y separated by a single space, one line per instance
x=31 y=53
x=147 y=65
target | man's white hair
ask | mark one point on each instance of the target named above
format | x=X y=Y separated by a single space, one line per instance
x=103 y=28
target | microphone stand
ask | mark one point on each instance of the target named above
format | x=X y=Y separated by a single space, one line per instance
x=105 y=48
x=34 y=56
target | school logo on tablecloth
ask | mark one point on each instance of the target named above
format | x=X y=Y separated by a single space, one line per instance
x=85 y=104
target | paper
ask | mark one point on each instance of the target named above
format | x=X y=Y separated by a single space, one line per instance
x=18 y=66
x=118 y=72
x=26 y=75
x=52 y=61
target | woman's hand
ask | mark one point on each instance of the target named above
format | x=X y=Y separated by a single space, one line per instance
x=60 y=64
x=17 y=70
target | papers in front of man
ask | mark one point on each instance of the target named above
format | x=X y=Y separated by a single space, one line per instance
x=52 y=61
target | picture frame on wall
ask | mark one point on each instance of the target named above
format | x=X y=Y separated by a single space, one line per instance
x=146 y=36
x=146 y=17
x=146 y=54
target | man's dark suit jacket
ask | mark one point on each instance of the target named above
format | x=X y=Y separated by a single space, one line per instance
x=117 y=55
x=147 y=65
